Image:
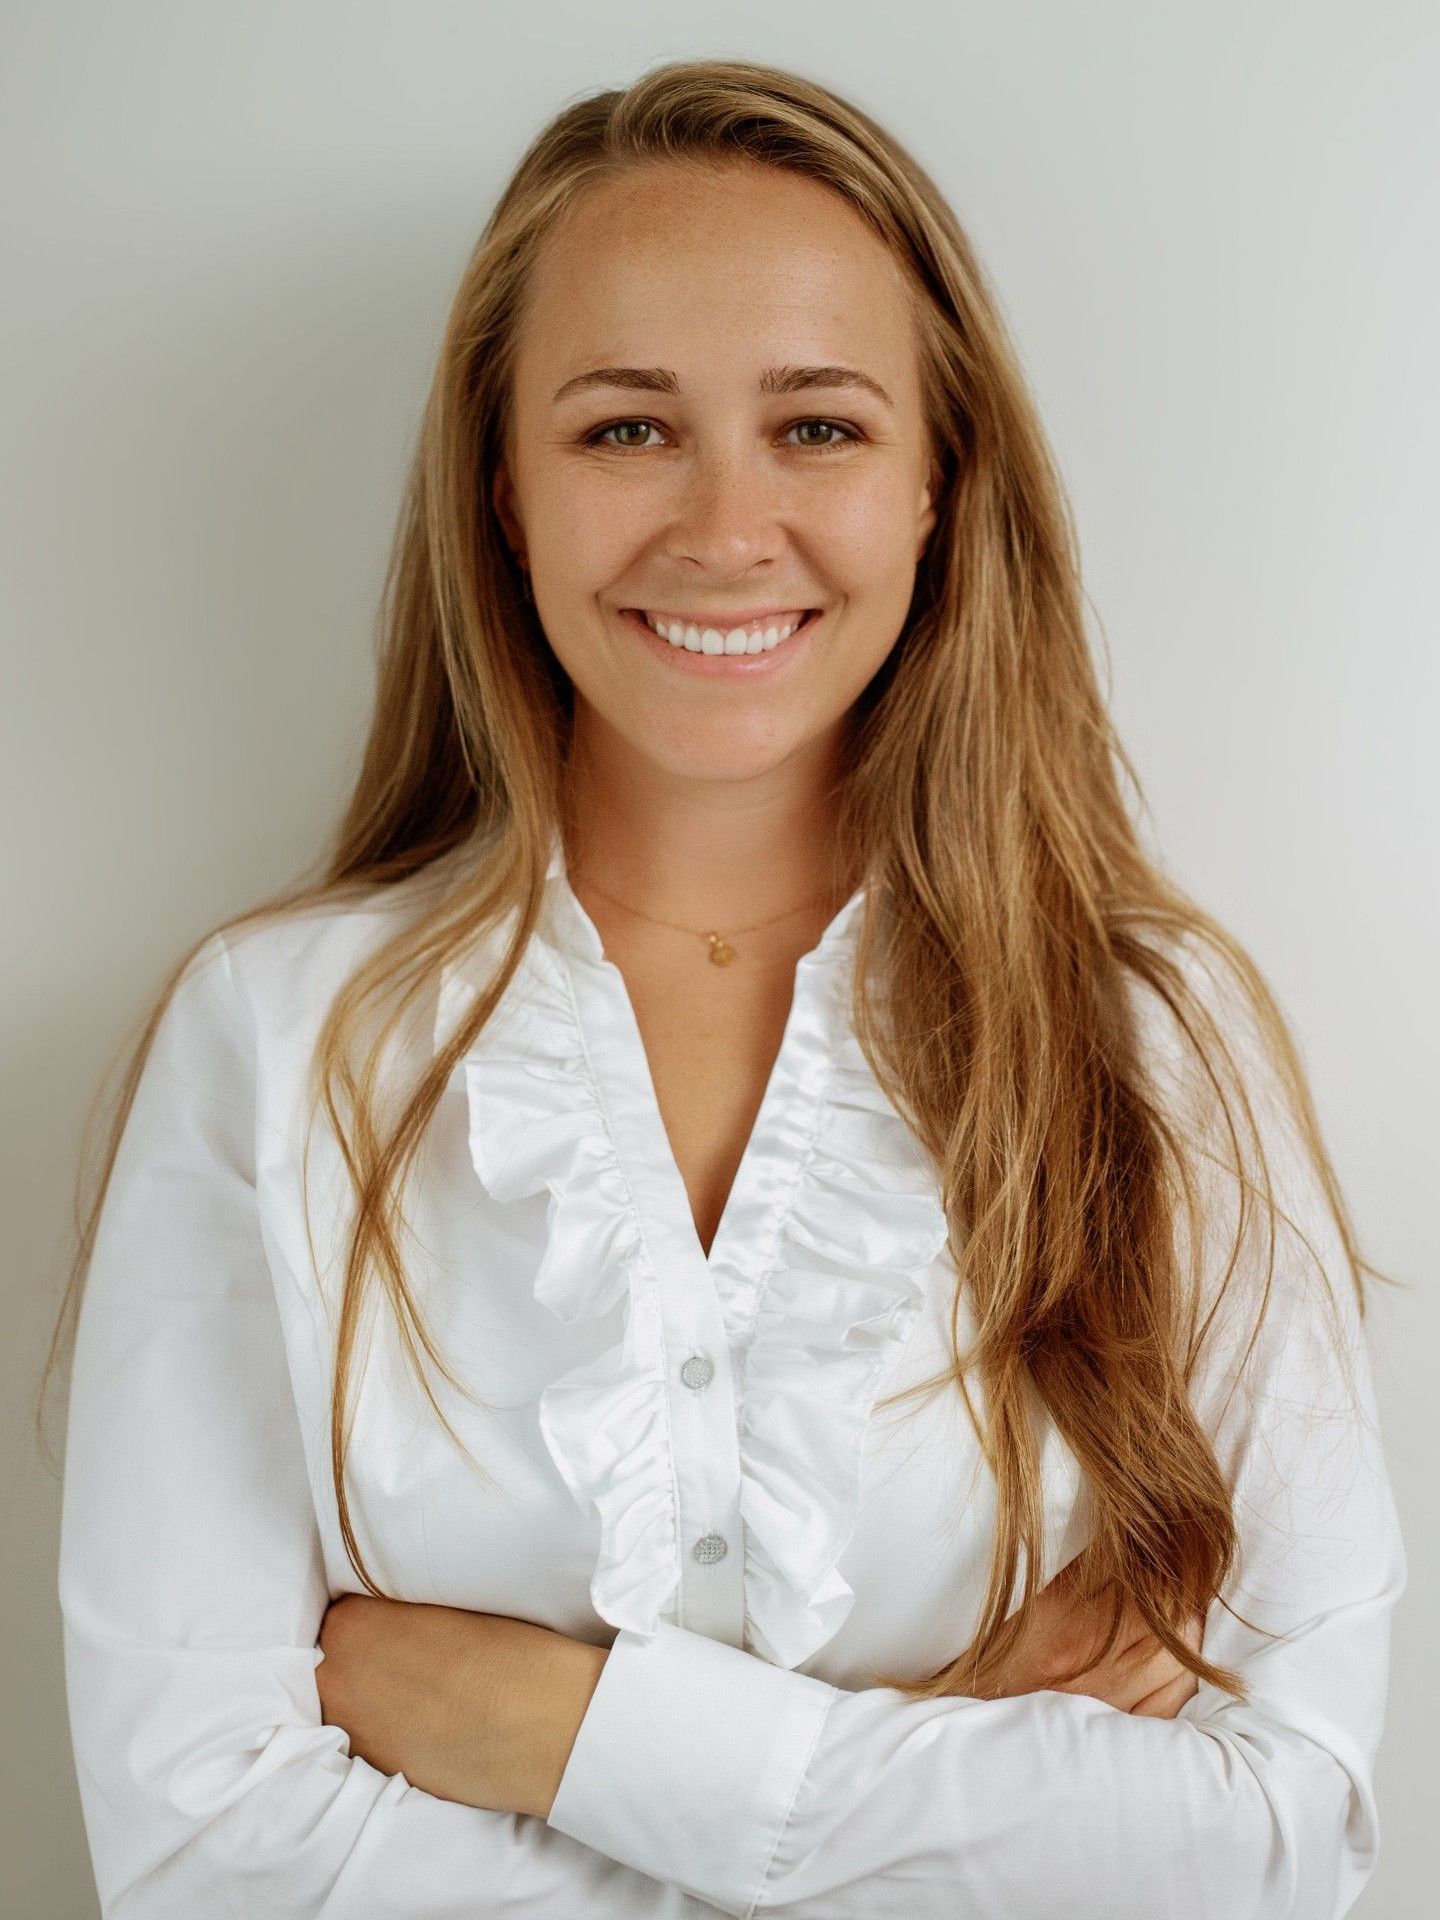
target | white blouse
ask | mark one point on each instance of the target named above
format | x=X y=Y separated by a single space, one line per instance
x=686 y=1467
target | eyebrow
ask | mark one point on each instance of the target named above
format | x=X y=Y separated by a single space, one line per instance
x=772 y=380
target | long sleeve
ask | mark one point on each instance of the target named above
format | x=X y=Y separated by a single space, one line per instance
x=765 y=1790
x=191 y=1578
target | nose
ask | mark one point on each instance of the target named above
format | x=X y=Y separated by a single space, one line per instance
x=728 y=515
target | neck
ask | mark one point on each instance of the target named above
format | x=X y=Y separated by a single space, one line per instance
x=703 y=852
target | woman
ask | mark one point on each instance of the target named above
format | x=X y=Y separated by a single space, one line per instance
x=737 y=988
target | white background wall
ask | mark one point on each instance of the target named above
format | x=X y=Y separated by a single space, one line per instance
x=229 y=237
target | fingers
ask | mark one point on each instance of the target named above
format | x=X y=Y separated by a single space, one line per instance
x=1061 y=1652
x=1165 y=1702
x=1131 y=1672
x=1170 y=1685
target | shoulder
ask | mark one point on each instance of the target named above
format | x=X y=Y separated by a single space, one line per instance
x=248 y=1009
x=1227 y=1074
x=1209 y=1030
x=288 y=966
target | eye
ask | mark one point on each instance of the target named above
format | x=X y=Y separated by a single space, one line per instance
x=832 y=426
x=597 y=438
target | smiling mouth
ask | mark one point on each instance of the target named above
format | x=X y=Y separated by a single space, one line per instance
x=756 y=636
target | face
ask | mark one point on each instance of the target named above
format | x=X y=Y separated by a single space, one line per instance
x=684 y=486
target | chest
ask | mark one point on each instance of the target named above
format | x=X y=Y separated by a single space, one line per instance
x=551 y=1251
x=711 y=1036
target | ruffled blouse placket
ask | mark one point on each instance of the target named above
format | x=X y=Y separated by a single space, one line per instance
x=719 y=1439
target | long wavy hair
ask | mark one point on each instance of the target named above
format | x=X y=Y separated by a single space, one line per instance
x=1010 y=909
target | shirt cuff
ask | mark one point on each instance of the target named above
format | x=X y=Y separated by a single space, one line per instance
x=688 y=1761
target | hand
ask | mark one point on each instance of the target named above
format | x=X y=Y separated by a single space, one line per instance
x=1138 y=1675
x=473 y=1707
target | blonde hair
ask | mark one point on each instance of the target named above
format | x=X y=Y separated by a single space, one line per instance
x=1010 y=908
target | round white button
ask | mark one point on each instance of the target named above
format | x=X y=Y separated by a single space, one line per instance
x=710 y=1548
x=697 y=1371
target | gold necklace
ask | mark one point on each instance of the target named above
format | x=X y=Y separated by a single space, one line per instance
x=722 y=952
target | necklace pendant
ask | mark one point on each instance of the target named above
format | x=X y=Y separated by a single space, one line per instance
x=721 y=952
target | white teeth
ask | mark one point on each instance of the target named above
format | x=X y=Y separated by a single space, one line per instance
x=710 y=639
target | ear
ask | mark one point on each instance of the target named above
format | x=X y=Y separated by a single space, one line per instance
x=502 y=497
x=926 y=518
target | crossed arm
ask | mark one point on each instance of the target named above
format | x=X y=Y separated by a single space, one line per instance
x=222 y=1753
x=484 y=1709
x=473 y=1707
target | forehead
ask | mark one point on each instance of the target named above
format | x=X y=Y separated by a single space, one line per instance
x=684 y=265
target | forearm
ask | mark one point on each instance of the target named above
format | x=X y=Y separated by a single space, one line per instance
x=569 y=1674
x=819 y=1803
x=478 y=1708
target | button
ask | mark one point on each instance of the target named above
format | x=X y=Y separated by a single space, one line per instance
x=697 y=1371
x=710 y=1548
